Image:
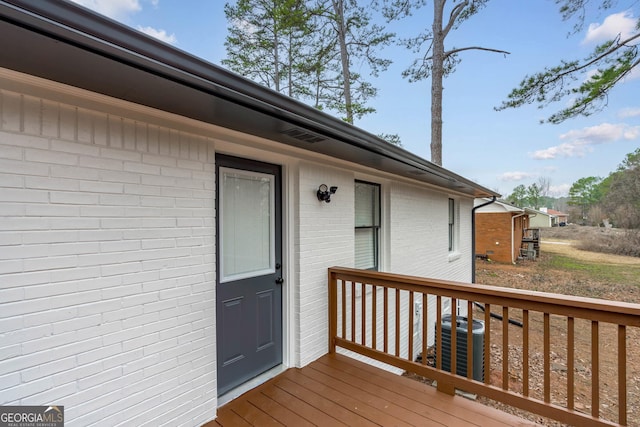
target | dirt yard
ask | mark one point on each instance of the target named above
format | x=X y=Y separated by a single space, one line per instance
x=562 y=268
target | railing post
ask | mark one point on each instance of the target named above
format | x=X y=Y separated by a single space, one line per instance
x=333 y=311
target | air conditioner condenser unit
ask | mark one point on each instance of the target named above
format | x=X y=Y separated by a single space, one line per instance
x=462 y=331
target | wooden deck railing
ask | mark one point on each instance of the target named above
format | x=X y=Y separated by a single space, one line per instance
x=386 y=317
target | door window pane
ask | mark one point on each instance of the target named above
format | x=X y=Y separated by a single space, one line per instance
x=247 y=231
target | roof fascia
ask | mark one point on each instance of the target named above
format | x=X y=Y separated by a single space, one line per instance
x=82 y=28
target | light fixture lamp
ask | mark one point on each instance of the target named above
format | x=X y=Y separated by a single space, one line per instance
x=324 y=193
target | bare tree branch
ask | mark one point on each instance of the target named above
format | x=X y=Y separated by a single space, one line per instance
x=486 y=49
x=453 y=16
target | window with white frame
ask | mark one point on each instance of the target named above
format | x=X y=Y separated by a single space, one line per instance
x=367 y=225
x=452 y=225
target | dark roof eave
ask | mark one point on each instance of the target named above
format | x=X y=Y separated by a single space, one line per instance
x=198 y=89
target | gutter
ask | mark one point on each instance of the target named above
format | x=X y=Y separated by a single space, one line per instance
x=473 y=237
x=513 y=260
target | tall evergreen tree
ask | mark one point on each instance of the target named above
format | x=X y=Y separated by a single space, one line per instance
x=622 y=197
x=518 y=196
x=267 y=42
x=435 y=60
x=585 y=193
x=347 y=41
x=586 y=82
x=319 y=51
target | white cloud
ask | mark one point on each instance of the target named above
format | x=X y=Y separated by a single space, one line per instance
x=116 y=9
x=559 y=190
x=564 y=150
x=159 y=34
x=633 y=74
x=605 y=132
x=622 y=23
x=245 y=26
x=516 y=176
x=629 y=112
x=121 y=10
x=580 y=142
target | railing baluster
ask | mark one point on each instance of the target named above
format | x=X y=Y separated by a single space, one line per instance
x=487 y=342
x=454 y=337
x=386 y=319
x=425 y=330
x=353 y=311
x=397 y=322
x=595 y=369
x=505 y=348
x=469 y=339
x=344 y=310
x=438 y=342
x=570 y=363
x=374 y=316
x=363 y=308
x=525 y=352
x=547 y=358
x=622 y=375
x=411 y=309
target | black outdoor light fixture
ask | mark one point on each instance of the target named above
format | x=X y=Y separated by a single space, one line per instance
x=324 y=193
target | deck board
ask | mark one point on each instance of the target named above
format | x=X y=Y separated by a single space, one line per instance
x=337 y=390
x=301 y=407
x=454 y=408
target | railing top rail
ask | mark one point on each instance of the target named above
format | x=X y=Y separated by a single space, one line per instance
x=620 y=312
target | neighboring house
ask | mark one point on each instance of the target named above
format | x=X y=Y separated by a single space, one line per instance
x=548 y=218
x=499 y=230
x=561 y=218
x=542 y=220
x=162 y=232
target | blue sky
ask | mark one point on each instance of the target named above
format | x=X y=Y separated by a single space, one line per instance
x=498 y=150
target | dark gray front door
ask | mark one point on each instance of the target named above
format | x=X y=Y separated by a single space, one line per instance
x=249 y=269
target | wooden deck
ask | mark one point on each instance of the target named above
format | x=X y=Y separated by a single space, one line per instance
x=337 y=390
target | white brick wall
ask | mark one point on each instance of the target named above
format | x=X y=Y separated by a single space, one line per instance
x=415 y=221
x=419 y=226
x=107 y=253
x=326 y=240
x=106 y=266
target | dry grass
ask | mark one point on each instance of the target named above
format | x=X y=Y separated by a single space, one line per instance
x=597 y=239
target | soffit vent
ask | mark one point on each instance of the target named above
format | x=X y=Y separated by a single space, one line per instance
x=302 y=135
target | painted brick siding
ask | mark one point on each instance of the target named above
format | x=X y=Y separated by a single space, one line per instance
x=326 y=239
x=419 y=227
x=419 y=241
x=106 y=266
x=414 y=221
x=493 y=236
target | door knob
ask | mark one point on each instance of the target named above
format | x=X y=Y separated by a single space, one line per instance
x=279 y=280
